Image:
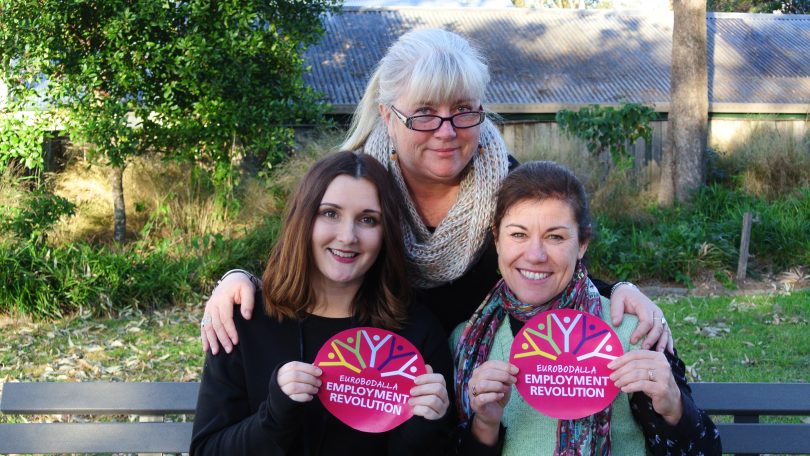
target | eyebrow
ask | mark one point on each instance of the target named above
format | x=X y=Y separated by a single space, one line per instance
x=553 y=228
x=457 y=102
x=338 y=206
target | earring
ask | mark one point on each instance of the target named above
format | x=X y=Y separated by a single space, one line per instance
x=393 y=155
x=481 y=149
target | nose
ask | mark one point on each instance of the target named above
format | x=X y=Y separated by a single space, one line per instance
x=446 y=130
x=346 y=233
x=536 y=251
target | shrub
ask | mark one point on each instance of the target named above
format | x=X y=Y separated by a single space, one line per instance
x=767 y=163
x=39 y=210
x=703 y=236
x=45 y=281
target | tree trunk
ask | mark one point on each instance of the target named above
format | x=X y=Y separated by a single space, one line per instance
x=683 y=168
x=119 y=210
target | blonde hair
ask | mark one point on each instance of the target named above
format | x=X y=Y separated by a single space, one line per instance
x=427 y=65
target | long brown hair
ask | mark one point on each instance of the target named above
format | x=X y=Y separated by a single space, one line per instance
x=286 y=283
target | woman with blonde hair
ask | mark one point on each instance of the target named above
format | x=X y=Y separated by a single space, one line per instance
x=422 y=117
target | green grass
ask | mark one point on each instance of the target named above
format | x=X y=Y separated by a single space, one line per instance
x=132 y=346
x=762 y=338
x=721 y=339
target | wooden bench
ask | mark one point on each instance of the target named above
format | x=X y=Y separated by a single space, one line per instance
x=97 y=399
x=746 y=402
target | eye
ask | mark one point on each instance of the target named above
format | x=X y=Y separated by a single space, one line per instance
x=464 y=108
x=369 y=220
x=518 y=235
x=329 y=213
x=424 y=110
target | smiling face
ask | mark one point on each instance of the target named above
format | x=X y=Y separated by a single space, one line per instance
x=538 y=248
x=437 y=156
x=347 y=234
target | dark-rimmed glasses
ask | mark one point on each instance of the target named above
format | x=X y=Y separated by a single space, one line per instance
x=433 y=123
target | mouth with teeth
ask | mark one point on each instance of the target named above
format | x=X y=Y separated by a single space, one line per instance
x=532 y=275
x=344 y=256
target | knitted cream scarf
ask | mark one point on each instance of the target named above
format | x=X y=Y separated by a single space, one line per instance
x=441 y=256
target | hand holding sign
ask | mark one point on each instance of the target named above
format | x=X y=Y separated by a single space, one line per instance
x=299 y=380
x=429 y=397
x=489 y=391
x=649 y=372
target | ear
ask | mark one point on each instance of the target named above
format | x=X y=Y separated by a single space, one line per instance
x=385 y=113
x=494 y=230
x=583 y=247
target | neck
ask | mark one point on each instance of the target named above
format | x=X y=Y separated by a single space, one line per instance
x=433 y=200
x=335 y=302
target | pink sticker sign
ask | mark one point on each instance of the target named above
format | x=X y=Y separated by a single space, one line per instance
x=563 y=355
x=367 y=377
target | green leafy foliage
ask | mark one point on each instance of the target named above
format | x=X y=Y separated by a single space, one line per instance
x=609 y=128
x=197 y=80
x=39 y=211
x=21 y=136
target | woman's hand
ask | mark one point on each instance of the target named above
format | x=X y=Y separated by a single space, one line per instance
x=236 y=288
x=300 y=381
x=629 y=299
x=649 y=372
x=490 y=388
x=429 y=397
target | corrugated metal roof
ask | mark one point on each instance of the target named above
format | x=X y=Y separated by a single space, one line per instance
x=545 y=60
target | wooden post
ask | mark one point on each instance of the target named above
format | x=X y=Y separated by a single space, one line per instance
x=742 y=265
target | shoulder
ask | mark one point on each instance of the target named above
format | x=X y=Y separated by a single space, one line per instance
x=513 y=162
x=421 y=324
x=456 y=334
x=623 y=329
x=260 y=324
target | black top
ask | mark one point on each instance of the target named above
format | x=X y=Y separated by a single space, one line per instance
x=242 y=410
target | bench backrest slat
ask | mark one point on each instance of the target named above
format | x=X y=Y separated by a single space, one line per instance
x=765 y=438
x=99 y=398
x=753 y=398
x=746 y=401
x=96 y=437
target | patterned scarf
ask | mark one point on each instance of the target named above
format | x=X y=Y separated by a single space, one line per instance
x=589 y=435
x=440 y=255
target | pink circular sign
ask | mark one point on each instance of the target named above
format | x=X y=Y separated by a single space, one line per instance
x=563 y=355
x=367 y=377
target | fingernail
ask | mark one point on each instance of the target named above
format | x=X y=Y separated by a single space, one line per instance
x=228 y=350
